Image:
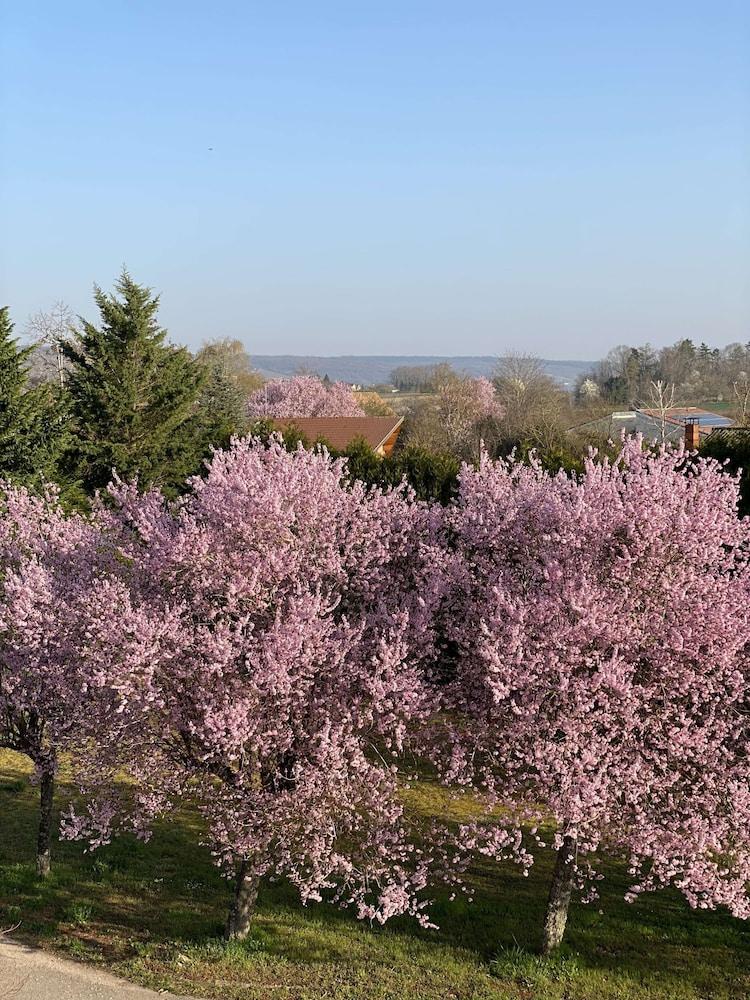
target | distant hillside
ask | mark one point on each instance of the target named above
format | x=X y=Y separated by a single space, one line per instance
x=376 y=369
x=364 y=370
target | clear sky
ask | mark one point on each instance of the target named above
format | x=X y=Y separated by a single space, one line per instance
x=384 y=177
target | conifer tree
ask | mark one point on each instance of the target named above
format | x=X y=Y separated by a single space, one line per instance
x=228 y=379
x=30 y=421
x=132 y=395
x=221 y=407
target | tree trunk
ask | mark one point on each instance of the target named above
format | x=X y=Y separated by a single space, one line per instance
x=46 y=796
x=243 y=905
x=559 y=896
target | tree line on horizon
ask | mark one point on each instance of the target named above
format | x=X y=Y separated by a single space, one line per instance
x=696 y=374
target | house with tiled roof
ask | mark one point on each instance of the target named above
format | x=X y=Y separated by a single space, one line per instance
x=379 y=433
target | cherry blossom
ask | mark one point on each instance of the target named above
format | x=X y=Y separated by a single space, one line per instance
x=303 y=396
x=60 y=672
x=600 y=626
x=290 y=677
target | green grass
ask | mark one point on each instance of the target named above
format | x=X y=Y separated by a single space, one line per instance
x=154 y=914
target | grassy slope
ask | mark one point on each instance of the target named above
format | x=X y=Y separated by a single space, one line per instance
x=154 y=913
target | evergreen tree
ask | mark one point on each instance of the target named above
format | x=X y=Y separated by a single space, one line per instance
x=222 y=404
x=30 y=419
x=132 y=395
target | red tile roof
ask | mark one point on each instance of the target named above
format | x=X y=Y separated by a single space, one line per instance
x=339 y=432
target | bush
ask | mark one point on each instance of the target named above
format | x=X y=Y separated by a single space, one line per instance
x=732 y=447
x=432 y=475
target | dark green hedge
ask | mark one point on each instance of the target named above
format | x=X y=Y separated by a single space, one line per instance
x=432 y=475
x=733 y=447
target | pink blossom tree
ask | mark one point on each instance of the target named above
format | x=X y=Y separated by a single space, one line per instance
x=303 y=396
x=286 y=685
x=59 y=670
x=601 y=679
x=467 y=407
x=462 y=412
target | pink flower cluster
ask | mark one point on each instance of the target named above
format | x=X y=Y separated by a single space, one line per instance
x=288 y=682
x=471 y=398
x=600 y=627
x=61 y=663
x=277 y=645
x=465 y=405
x=303 y=396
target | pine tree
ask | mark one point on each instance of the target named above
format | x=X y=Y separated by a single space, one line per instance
x=222 y=405
x=30 y=419
x=132 y=395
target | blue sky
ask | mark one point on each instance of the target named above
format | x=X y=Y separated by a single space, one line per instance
x=384 y=178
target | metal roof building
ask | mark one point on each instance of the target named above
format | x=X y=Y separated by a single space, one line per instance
x=650 y=423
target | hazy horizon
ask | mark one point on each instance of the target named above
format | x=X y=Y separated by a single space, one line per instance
x=369 y=369
x=384 y=179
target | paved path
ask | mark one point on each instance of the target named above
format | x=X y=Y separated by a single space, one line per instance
x=27 y=973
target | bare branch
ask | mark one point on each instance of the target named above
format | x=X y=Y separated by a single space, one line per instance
x=49 y=330
x=662 y=398
x=741 y=390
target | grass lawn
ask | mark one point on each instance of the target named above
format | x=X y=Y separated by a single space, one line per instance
x=153 y=913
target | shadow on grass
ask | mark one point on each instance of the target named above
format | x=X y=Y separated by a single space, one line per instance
x=130 y=895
